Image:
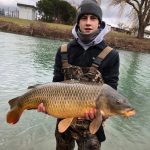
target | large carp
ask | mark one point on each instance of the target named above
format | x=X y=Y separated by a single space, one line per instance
x=69 y=100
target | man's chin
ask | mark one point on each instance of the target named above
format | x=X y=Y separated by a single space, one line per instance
x=88 y=32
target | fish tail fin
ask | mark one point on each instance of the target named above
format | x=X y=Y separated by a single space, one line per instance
x=15 y=112
x=13 y=115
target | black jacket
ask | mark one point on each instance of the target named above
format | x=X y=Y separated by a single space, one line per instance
x=79 y=57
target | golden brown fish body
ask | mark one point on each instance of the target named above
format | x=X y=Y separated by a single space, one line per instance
x=71 y=100
x=61 y=100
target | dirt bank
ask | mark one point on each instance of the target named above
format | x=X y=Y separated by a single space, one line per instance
x=40 y=29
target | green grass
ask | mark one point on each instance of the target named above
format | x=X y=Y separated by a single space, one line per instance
x=24 y=22
x=115 y=34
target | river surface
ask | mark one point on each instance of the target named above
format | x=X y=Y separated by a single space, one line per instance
x=27 y=61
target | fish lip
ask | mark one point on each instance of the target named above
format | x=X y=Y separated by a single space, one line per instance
x=130 y=109
x=129 y=112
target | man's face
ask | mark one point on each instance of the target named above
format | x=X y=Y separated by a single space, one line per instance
x=88 y=24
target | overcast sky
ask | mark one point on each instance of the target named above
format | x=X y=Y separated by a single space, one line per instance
x=110 y=14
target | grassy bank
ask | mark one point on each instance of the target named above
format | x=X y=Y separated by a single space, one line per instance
x=59 y=31
x=35 y=28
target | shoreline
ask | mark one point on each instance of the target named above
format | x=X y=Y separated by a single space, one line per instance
x=61 y=32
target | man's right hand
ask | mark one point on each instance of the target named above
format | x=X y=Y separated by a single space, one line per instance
x=41 y=108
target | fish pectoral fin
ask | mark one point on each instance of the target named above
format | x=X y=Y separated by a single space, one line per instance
x=95 y=124
x=64 y=124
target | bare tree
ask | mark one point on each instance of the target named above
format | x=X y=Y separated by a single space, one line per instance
x=98 y=2
x=142 y=10
x=121 y=25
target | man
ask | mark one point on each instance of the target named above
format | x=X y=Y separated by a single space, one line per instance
x=88 y=43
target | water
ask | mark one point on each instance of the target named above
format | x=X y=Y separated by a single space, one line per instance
x=27 y=61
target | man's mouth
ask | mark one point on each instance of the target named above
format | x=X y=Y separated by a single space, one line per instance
x=88 y=29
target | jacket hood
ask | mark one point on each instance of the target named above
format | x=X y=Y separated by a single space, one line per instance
x=103 y=30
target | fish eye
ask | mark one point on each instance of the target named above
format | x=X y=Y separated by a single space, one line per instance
x=118 y=101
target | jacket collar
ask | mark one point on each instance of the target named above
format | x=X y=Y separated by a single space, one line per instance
x=99 y=38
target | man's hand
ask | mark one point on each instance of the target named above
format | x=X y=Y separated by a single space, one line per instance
x=41 y=108
x=91 y=114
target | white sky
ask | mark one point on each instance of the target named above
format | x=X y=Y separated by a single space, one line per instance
x=110 y=14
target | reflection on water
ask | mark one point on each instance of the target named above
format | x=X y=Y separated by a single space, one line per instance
x=26 y=61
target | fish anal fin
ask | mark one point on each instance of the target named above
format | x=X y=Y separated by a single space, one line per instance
x=64 y=124
x=13 y=115
x=95 y=124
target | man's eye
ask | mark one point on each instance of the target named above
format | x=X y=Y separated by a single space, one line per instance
x=84 y=18
x=93 y=18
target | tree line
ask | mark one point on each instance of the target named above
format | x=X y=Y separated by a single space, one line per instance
x=56 y=11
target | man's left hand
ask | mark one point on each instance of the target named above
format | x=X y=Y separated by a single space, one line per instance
x=90 y=115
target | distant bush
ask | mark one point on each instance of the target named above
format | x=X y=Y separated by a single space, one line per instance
x=56 y=11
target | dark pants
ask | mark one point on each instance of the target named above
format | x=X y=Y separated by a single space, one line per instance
x=78 y=132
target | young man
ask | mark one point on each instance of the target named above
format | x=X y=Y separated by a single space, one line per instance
x=82 y=52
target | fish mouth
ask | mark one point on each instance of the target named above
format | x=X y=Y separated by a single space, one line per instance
x=129 y=112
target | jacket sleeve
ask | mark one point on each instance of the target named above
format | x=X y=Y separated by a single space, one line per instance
x=111 y=73
x=58 y=74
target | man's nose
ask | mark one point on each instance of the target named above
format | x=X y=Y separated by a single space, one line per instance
x=88 y=21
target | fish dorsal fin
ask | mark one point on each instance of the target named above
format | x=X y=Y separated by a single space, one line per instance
x=33 y=86
x=95 y=124
x=64 y=124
